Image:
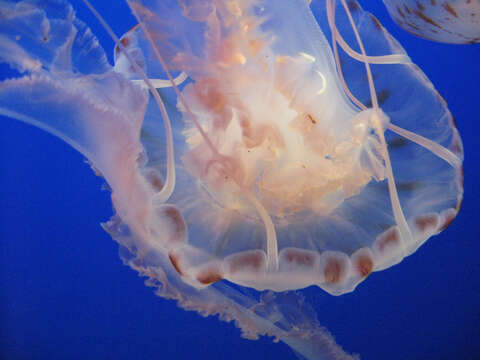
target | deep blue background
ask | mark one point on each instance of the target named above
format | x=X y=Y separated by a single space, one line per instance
x=66 y=295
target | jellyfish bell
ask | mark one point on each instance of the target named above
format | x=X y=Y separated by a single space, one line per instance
x=456 y=22
x=240 y=145
x=289 y=183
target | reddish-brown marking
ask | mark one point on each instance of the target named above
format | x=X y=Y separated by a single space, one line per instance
x=125 y=41
x=456 y=146
x=175 y=216
x=433 y=2
x=140 y=64
x=450 y=9
x=426 y=222
x=333 y=271
x=300 y=257
x=390 y=238
x=448 y=220
x=310 y=117
x=376 y=23
x=157 y=183
x=209 y=276
x=461 y=176
x=420 y=6
x=364 y=265
x=426 y=18
x=353 y=6
x=400 y=12
x=252 y=260
x=454 y=121
x=407 y=9
x=412 y=25
x=175 y=263
x=155 y=180
x=176 y=219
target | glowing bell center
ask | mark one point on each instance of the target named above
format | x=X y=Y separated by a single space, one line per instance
x=291 y=143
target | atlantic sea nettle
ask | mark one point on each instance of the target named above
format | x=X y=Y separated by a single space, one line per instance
x=251 y=147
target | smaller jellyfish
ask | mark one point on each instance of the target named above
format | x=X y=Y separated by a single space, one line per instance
x=454 y=21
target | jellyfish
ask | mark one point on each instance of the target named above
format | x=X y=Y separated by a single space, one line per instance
x=456 y=22
x=252 y=149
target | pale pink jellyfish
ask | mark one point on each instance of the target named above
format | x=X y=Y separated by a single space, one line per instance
x=262 y=154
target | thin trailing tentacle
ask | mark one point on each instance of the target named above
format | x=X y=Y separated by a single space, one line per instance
x=377 y=122
x=379 y=59
x=169 y=185
x=272 y=246
x=170 y=78
x=439 y=150
x=432 y=146
x=335 y=34
x=162 y=83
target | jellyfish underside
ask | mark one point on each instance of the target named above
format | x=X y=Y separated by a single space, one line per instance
x=454 y=21
x=271 y=143
x=258 y=155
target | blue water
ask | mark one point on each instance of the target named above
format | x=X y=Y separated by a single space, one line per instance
x=66 y=295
